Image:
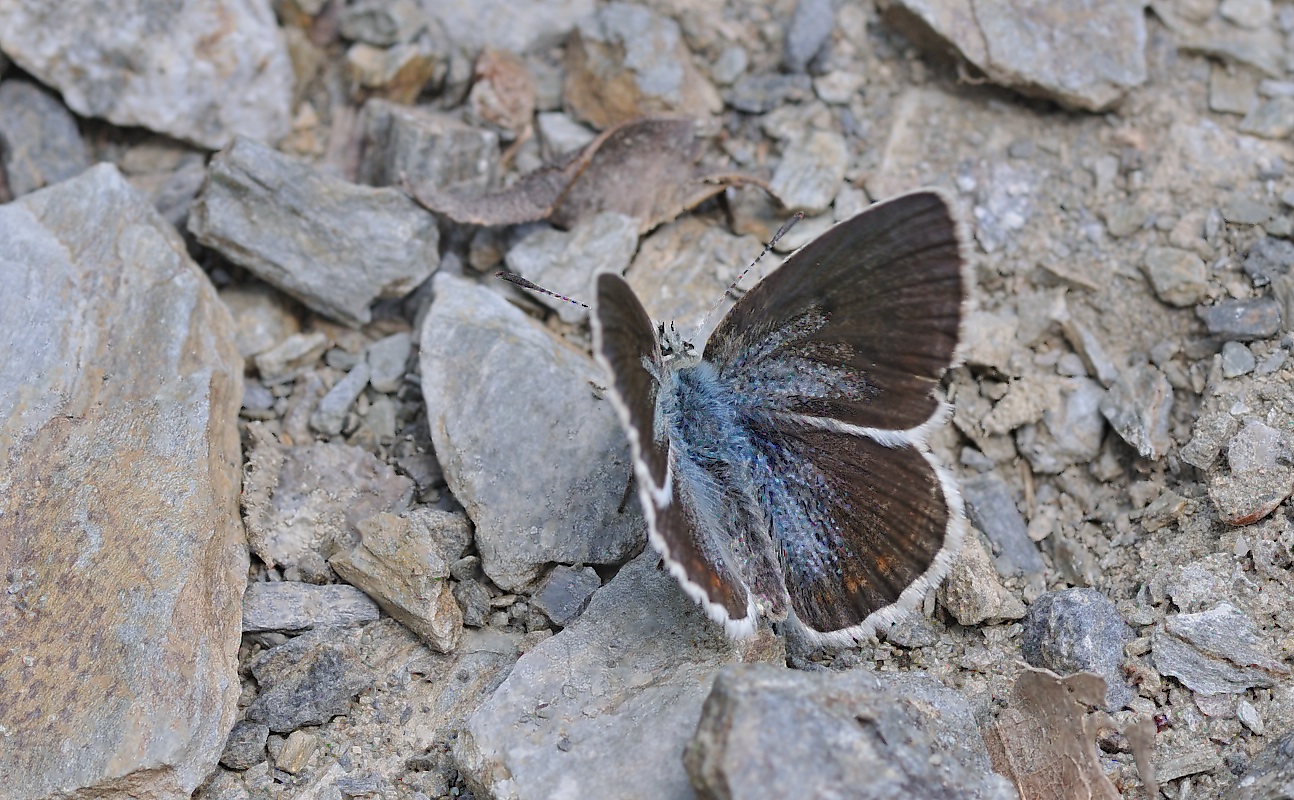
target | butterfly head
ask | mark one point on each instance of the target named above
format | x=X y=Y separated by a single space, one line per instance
x=674 y=349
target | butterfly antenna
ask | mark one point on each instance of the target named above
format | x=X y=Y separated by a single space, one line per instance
x=513 y=277
x=732 y=287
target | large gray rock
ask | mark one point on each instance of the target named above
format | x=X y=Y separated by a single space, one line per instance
x=769 y=733
x=635 y=668
x=333 y=245
x=202 y=70
x=1083 y=54
x=537 y=459
x=120 y=539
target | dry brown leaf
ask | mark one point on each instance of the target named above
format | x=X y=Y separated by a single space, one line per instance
x=1045 y=740
x=647 y=169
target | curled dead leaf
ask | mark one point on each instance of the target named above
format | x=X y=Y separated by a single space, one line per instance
x=1045 y=740
x=648 y=169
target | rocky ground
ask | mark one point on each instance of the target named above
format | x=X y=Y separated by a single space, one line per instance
x=442 y=590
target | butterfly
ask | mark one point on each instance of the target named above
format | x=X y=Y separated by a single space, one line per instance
x=783 y=469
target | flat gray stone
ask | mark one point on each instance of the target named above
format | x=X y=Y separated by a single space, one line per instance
x=292 y=607
x=426 y=148
x=291 y=358
x=635 y=667
x=1219 y=651
x=1125 y=219
x=1242 y=320
x=767 y=733
x=1088 y=347
x=1257 y=445
x=538 y=461
x=561 y=134
x=992 y=510
x=765 y=91
x=245 y=746
x=388 y=361
x=1083 y=55
x=807 y=32
x=564 y=593
x=1079 y=630
x=263 y=316
x=1270 y=119
x=308 y=680
x=203 y=72
x=811 y=171
x=1237 y=360
x=473 y=601
x=333 y=245
x=39 y=141
x=1241 y=209
x=1232 y=91
x=1138 y=406
x=119 y=392
x=1179 y=277
x=401 y=564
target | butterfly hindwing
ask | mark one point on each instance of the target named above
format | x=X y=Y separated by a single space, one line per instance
x=864 y=529
x=696 y=550
x=859 y=324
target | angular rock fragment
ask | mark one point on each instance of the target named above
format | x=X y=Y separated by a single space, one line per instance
x=203 y=72
x=292 y=607
x=1083 y=55
x=536 y=458
x=1138 y=407
x=400 y=564
x=333 y=245
x=1219 y=651
x=853 y=734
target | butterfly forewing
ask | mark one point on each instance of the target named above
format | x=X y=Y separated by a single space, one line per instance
x=625 y=343
x=859 y=324
x=700 y=556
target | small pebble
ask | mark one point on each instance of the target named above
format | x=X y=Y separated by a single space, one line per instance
x=1249 y=716
x=1237 y=360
